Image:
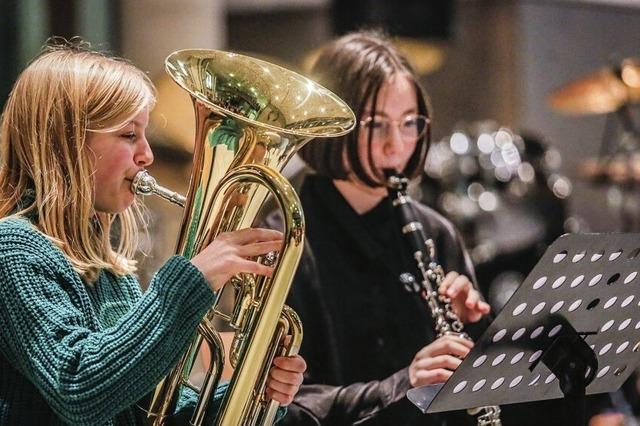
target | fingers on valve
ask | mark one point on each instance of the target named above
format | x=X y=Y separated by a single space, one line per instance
x=252 y=235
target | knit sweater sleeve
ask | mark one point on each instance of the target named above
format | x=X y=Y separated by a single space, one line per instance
x=87 y=376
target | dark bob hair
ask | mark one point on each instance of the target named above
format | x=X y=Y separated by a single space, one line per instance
x=355 y=67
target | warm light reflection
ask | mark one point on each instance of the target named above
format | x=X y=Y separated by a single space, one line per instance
x=526 y=172
x=485 y=143
x=631 y=75
x=459 y=143
x=488 y=201
x=474 y=190
x=503 y=138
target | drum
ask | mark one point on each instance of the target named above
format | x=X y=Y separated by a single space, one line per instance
x=503 y=191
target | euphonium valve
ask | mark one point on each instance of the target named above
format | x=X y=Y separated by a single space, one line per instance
x=251 y=118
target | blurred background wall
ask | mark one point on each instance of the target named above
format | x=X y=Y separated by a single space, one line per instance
x=481 y=59
x=562 y=41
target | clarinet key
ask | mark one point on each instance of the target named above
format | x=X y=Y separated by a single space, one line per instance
x=409 y=282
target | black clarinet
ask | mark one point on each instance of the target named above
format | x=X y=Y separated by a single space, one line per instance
x=423 y=250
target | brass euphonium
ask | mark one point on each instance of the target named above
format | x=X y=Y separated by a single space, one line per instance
x=251 y=118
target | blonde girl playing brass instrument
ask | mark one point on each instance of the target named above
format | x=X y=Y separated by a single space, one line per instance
x=79 y=342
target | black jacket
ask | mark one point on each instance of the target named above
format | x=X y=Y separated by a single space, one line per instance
x=361 y=328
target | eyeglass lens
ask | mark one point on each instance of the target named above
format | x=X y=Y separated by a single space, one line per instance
x=411 y=127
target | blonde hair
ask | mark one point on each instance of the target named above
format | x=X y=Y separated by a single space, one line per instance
x=65 y=92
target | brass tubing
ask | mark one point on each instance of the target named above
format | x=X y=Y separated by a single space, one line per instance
x=240 y=396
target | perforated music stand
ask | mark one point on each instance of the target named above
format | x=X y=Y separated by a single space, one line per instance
x=572 y=328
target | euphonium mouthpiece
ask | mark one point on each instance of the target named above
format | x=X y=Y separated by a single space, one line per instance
x=145 y=184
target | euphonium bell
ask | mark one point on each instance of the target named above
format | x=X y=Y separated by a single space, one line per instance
x=251 y=118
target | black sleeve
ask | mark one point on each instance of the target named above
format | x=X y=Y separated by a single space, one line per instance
x=357 y=403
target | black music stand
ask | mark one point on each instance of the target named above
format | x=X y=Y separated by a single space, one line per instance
x=572 y=328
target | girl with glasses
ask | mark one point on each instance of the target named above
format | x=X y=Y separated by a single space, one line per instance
x=367 y=341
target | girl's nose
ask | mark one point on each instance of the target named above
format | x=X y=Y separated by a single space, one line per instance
x=144 y=156
x=394 y=140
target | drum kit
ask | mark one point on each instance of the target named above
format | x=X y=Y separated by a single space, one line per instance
x=504 y=190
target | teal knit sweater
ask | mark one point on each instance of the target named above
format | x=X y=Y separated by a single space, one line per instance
x=72 y=353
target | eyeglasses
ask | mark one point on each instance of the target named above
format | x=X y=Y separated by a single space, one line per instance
x=411 y=127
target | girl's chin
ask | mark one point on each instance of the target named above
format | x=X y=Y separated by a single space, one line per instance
x=395 y=168
x=371 y=190
x=116 y=206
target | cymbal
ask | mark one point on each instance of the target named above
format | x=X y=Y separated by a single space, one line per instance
x=601 y=92
x=617 y=170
